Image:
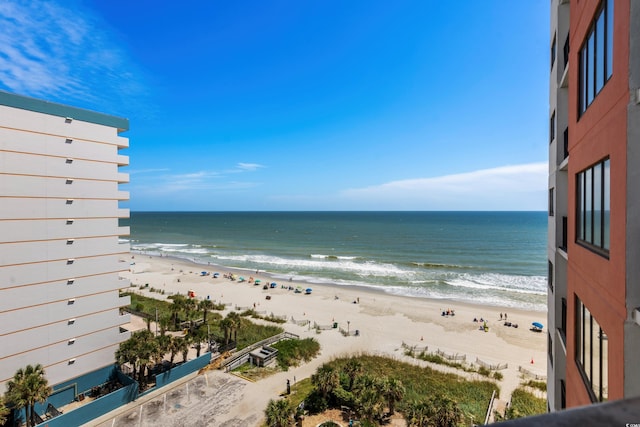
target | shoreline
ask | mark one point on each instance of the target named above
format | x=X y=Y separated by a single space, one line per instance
x=331 y=303
x=279 y=277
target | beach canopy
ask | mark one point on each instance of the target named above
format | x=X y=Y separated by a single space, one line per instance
x=538 y=325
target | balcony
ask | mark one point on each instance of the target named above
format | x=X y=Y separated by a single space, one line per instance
x=123 y=178
x=565 y=231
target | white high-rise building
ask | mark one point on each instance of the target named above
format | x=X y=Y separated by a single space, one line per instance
x=60 y=249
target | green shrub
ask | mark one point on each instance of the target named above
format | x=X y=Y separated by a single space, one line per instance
x=484 y=371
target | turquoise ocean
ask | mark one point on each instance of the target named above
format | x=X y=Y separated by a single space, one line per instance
x=493 y=258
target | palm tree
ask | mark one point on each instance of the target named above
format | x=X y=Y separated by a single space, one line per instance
x=197 y=337
x=147 y=348
x=393 y=391
x=174 y=348
x=4 y=411
x=183 y=347
x=179 y=303
x=279 y=413
x=205 y=305
x=127 y=353
x=27 y=387
x=369 y=396
x=164 y=322
x=352 y=369
x=164 y=346
x=236 y=323
x=190 y=310
x=226 y=325
x=325 y=379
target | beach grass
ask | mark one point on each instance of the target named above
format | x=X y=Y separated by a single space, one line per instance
x=525 y=404
x=250 y=333
x=293 y=352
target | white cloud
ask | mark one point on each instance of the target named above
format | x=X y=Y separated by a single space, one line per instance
x=249 y=166
x=145 y=171
x=63 y=54
x=517 y=187
x=205 y=180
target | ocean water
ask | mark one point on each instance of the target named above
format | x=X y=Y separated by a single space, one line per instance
x=494 y=258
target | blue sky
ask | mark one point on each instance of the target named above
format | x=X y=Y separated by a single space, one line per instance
x=302 y=105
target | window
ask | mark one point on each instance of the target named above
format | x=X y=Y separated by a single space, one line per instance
x=593 y=206
x=552 y=127
x=566 y=142
x=551 y=202
x=596 y=56
x=553 y=51
x=550 y=348
x=592 y=351
x=550 y=275
x=565 y=51
x=563 y=321
x=563 y=394
x=565 y=229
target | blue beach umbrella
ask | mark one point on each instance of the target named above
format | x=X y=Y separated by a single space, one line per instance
x=538 y=325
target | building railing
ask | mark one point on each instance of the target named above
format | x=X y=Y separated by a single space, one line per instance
x=610 y=414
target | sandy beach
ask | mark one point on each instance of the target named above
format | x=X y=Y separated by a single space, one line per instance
x=384 y=323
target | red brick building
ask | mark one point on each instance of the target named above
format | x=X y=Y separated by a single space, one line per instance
x=594 y=202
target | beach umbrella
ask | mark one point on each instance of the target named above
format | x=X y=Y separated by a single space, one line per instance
x=308 y=291
x=538 y=325
x=257 y=280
